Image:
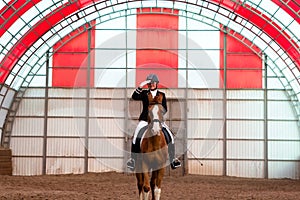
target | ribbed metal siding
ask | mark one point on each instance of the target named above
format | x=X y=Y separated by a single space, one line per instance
x=67 y=123
x=205 y=126
x=283 y=138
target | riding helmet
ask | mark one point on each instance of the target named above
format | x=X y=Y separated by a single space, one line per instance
x=153 y=78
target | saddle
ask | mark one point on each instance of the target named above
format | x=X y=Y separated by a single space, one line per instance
x=137 y=146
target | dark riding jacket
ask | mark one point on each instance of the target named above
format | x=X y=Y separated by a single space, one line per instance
x=143 y=95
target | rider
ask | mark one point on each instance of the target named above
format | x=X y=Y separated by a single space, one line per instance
x=143 y=95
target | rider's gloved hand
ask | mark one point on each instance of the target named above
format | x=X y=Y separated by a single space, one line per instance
x=142 y=84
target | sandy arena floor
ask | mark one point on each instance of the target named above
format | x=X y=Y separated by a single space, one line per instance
x=113 y=185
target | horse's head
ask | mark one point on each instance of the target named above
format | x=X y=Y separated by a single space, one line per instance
x=156 y=118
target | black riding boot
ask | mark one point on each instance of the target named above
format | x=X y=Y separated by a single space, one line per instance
x=174 y=162
x=131 y=161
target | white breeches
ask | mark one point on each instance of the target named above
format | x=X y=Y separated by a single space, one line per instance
x=142 y=124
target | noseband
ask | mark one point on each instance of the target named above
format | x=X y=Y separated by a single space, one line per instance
x=156 y=120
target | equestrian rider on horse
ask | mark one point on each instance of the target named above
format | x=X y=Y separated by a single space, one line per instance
x=144 y=96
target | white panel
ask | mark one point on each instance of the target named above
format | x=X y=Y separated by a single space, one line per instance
x=245 y=94
x=27 y=166
x=9 y=97
x=205 y=149
x=108 y=93
x=31 y=107
x=284 y=169
x=131 y=20
x=28 y=127
x=103 y=76
x=205 y=109
x=3 y=114
x=65 y=147
x=35 y=92
x=205 y=94
x=107 y=108
x=66 y=107
x=111 y=38
x=2 y=4
x=199 y=62
x=245 y=109
x=245 y=129
x=202 y=39
x=106 y=164
x=277 y=95
x=283 y=130
x=245 y=149
x=250 y=169
x=27 y=146
x=118 y=23
x=210 y=167
x=70 y=92
x=66 y=127
x=280 y=110
x=65 y=166
x=106 y=147
x=106 y=127
x=284 y=150
x=205 y=128
x=173 y=93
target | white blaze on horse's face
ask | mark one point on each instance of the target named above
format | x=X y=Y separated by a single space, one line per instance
x=156 y=122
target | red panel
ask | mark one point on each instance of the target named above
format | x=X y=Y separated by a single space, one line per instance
x=71 y=60
x=244 y=67
x=9 y=14
x=156 y=33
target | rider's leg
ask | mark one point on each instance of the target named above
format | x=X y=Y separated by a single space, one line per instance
x=132 y=159
x=174 y=162
x=135 y=145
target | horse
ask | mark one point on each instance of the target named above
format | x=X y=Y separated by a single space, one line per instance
x=153 y=156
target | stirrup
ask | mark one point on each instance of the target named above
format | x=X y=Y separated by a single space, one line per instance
x=131 y=164
x=175 y=163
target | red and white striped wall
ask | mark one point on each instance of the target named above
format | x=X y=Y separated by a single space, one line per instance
x=13 y=15
x=157 y=46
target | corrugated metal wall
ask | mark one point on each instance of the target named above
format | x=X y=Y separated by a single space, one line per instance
x=64 y=131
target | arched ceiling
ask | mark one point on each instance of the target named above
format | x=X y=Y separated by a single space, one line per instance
x=30 y=28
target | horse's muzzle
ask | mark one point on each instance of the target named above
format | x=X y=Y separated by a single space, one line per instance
x=156 y=128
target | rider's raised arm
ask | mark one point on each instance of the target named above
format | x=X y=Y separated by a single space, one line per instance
x=137 y=94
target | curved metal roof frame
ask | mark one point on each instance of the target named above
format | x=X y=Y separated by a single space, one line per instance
x=44 y=25
x=22 y=53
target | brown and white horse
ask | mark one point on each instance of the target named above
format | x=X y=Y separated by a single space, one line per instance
x=153 y=157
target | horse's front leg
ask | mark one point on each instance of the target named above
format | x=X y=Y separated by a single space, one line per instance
x=146 y=182
x=153 y=184
x=157 y=189
x=140 y=183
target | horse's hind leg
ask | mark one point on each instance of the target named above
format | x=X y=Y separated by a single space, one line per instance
x=153 y=183
x=140 y=184
x=146 y=186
